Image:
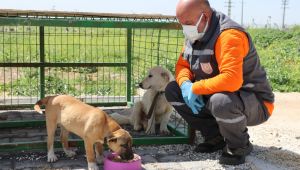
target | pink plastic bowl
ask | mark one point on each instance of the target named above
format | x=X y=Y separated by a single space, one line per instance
x=109 y=164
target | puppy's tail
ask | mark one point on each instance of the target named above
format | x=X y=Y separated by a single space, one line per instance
x=40 y=103
x=120 y=119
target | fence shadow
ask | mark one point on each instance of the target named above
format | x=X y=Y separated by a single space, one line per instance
x=260 y=158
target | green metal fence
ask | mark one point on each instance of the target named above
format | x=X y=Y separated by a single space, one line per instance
x=96 y=57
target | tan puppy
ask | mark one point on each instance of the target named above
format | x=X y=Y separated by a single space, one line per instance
x=155 y=82
x=90 y=123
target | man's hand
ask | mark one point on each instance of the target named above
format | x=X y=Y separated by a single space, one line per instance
x=194 y=101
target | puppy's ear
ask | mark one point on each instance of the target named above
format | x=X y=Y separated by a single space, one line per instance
x=113 y=139
x=166 y=76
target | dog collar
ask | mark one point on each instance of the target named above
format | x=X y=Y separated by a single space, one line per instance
x=150 y=112
x=161 y=92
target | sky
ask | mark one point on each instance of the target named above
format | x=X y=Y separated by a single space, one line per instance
x=256 y=12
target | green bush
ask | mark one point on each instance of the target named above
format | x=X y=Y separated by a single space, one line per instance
x=279 y=51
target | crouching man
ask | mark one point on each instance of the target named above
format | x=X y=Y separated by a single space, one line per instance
x=221 y=87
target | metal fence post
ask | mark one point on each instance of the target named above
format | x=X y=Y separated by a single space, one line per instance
x=42 y=61
x=158 y=47
x=129 y=57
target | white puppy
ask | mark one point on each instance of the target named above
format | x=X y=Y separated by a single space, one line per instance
x=154 y=107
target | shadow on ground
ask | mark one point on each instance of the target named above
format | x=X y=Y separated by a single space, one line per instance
x=160 y=157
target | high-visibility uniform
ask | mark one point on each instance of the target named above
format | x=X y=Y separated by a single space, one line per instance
x=226 y=70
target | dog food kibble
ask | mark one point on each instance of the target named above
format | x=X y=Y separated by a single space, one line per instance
x=119 y=159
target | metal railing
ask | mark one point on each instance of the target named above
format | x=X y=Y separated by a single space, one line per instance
x=98 y=58
x=48 y=42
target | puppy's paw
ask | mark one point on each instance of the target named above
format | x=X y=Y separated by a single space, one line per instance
x=52 y=157
x=137 y=127
x=99 y=159
x=69 y=153
x=150 y=131
x=92 y=166
x=164 y=131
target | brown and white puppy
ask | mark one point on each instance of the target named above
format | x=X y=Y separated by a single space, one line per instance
x=155 y=82
x=90 y=123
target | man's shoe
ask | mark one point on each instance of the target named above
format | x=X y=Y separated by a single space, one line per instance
x=235 y=156
x=211 y=145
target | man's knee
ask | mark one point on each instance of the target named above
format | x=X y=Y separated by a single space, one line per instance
x=224 y=103
x=171 y=90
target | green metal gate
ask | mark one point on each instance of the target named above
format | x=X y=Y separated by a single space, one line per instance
x=98 y=58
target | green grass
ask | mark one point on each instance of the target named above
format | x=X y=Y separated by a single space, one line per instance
x=78 y=45
x=280 y=55
x=279 y=52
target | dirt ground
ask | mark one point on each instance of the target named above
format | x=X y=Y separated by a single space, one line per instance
x=276 y=142
x=276 y=146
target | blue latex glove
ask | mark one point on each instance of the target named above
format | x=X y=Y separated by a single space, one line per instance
x=194 y=101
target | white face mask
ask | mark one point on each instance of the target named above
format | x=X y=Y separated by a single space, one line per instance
x=191 y=31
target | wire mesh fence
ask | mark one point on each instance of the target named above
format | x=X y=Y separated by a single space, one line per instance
x=90 y=62
x=97 y=58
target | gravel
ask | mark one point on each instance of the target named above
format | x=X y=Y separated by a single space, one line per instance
x=276 y=146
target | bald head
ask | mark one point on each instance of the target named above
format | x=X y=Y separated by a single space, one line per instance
x=188 y=11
